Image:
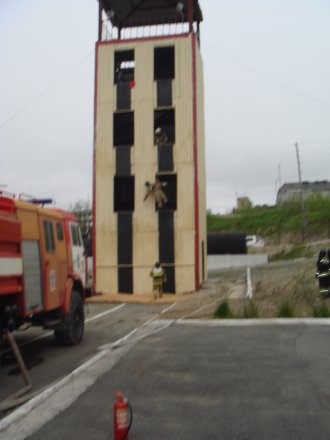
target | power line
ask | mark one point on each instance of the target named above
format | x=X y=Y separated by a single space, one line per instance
x=260 y=159
x=265 y=164
x=270 y=78
x=54 y=83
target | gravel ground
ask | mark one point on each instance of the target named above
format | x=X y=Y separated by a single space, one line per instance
x=292 y=282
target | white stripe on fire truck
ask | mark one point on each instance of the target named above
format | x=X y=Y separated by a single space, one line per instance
x=10 y=266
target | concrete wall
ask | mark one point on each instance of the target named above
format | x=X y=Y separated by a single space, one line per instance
x=230 y=261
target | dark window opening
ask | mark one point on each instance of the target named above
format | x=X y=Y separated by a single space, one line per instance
x=164 y=93
x=125 y=280
x=123 y=128
x=123 y=96
x=164 y=63
x=164 y=122
x=49 y=236
x=169 y=285
x=170 y=191
x=123 y=193
x=123 y=161
x=124 y=238
x=165 y=157
x=166 y=237
x=124 y=66
x=59 y=230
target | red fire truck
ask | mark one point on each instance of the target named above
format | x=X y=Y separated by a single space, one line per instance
x=43 y=268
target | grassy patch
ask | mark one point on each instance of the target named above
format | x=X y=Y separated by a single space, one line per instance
x=276 y=222
x=296 y=252
x=303 y=288
x=223 y=311
x=250 y=310
x=321 y=311
x=286 y=310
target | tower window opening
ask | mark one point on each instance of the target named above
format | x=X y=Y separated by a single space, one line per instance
x=124 y=66
x=123 y=128
x=164 y=63
x=170 y=190
x=165 y=121
x=123 y=193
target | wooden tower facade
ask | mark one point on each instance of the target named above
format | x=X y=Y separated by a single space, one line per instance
x=149 y=128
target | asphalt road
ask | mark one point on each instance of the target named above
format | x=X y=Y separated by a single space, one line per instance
x=47 y=362
x=195 y=381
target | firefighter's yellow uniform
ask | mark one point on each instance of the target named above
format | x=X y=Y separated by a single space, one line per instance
x=158 y=279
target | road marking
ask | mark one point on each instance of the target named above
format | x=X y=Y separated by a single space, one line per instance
x=107 y=312
x=168 y=308
x=156 y=316
x=16 y=416
x=120 y=341
x=100 y=364
x=56 y=398
x=87 y=321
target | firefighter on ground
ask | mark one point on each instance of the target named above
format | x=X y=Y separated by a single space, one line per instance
x=323 y=271
x=155 y=189
x=158 y=279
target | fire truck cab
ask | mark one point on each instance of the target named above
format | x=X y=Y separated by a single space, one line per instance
x=43 y=269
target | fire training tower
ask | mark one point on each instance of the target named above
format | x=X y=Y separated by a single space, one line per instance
x=149 y=134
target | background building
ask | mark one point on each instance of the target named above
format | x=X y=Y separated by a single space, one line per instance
x=292 y=191
x=149 y=78
x=243 y=203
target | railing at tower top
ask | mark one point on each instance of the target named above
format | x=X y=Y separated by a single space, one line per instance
x=112 y=33
x=145 y=30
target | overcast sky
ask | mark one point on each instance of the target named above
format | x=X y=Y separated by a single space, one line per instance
x=267 y=86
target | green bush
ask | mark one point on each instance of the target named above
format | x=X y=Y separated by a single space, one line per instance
x=250 y=310
x=286 y=310
x=223 y=311
x=321 y=311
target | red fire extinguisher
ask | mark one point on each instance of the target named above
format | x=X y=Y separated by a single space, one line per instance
x=122 y=417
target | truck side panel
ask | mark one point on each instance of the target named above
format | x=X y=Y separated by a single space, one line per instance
x=32 y=275
x=32 y=298
x=11 y=266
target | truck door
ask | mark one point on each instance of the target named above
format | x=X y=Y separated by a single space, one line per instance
x=51 y=265
x=78 y=252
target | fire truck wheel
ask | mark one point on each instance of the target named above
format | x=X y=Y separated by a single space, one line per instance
x=75 y=323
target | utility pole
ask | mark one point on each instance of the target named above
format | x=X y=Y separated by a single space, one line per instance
x=275 y=190
x=279 y=176
x=302 y=204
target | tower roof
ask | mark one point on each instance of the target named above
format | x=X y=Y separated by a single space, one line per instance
x=131 y=13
